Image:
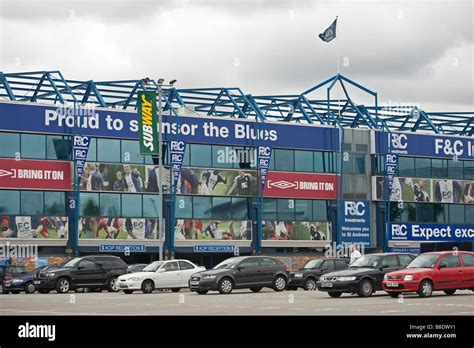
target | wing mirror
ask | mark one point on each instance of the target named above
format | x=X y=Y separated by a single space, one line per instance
x=161 y=270
x=240 y=268
x=384 y=266
x=442 y=266
x=80 y=268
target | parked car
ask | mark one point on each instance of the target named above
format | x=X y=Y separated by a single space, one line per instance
x=445 y=271
x=244 y=272
x=138 y=267
x=93 y=272
x=171 y=274
x=24 y=281
x=308 y=276
x=7 y=272
x=365 y=275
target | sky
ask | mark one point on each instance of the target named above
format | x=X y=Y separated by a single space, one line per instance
x=416 y=52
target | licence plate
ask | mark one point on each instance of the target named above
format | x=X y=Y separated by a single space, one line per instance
x=37 y=282
x=195 y=283
x=392 y=285
x=326 y=285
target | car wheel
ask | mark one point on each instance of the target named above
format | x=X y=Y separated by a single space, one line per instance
x=225 y=286
x=63 y=285
x=148 y=286
x=44 y=291
x=202 y=292
x=310 y=284
x=256 y=289
x=112 y=285
x=366 y=288
x=128 y=292
x=279 y=283
x=176 y=289
x=16 y=292
x=450 y=292
x=426 y=288
x=30 y=288
x=393 y=294
x=334 y=293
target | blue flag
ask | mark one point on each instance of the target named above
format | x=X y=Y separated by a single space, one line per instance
x=330 y=33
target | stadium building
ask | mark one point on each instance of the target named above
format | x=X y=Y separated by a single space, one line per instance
x=407 y=174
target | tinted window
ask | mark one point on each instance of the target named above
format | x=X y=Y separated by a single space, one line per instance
x=266 y=261
x=390 y=261
x=450 y=261
x=185 y=265
x=31 y=202
x=9 y=202
x=284 y=160
x=328 y=264
x=468 y=260
x=341 y=264
x=33 y=146
x=108 y=150
x=87 y=264
x=171 y=266
x=404 y=260
x=252 y=262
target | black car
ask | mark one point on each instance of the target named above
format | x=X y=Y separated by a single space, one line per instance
x=244 y=272
x=92 y=272
x=365 y=275
x=308 y=276
x=7 y=273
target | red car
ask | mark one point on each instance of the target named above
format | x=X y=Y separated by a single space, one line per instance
x=447 y=271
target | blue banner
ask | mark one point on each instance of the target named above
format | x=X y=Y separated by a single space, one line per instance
x=264 y=156
x=177 y=149
x=431 y=232
x=408 y=144
x=214 y=248
x=26 y=117
x=80 y=147
x=355 y=227
x=391 y=164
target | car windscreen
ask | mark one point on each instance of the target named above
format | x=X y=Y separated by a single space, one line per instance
x=424 y=261
x=370 y=261
x=72 y=263
x=313 y=264
x=153 y=267
x=229 y=263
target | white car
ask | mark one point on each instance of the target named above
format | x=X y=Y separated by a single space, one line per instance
x=172 y=274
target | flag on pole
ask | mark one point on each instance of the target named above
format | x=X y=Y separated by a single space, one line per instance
x=330 y=33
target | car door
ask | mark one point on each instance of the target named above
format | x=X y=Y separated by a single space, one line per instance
x=389 y=263
x=341 y=264
x=247 y=272
x=187 y=269
x=168 y=276
x=88 y=272
x=327 y=266
x=267 y=270
x=449 y=273
x=468 y=270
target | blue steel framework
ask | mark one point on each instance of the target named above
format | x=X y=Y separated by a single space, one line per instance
x=52 y=87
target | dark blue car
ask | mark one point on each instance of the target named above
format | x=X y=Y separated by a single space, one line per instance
x=22 y=282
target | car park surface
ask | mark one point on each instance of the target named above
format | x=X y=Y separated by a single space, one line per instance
x=240 y=302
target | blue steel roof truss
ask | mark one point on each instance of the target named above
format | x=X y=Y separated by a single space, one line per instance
x=51 y=87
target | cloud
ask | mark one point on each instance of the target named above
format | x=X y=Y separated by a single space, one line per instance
x=405 y=50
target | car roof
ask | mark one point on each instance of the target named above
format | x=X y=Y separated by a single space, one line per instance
x=445 y=252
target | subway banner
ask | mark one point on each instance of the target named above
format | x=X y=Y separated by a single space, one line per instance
x=355 y=227
x=408 y=144
x=32 y=174
x=147 y=127
x=431 y=232
x=100 y=122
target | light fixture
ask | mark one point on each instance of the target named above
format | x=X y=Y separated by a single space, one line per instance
x=145 y=80
x=160 y=81
x=172 y=82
